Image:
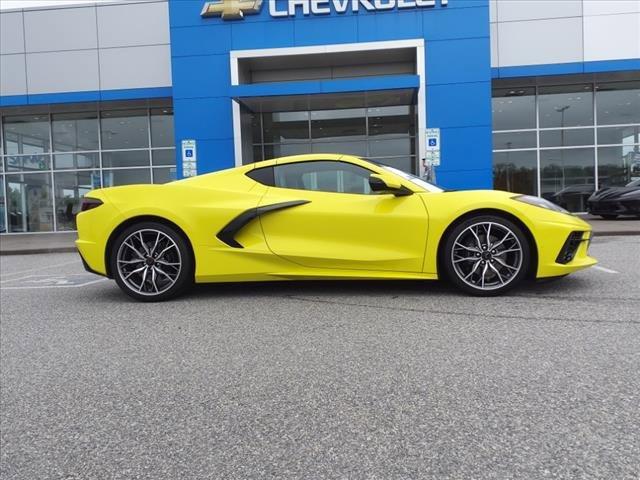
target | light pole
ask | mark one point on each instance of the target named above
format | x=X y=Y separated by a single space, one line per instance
x=561 y=111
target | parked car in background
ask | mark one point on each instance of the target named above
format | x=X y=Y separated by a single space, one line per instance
x=612 y=202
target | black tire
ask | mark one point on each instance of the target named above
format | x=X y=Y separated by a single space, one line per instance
x=495 y=271
x=166 y=270
x=609 y=217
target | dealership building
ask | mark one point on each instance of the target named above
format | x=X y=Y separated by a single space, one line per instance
x=538 y=97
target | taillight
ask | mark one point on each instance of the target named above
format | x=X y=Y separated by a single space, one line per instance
x=89 y=203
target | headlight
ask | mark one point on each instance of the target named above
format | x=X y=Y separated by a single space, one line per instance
x=540 y=202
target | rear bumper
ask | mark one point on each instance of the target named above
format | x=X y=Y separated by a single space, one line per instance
x=87 y=267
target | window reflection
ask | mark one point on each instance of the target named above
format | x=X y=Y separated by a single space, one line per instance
x=3 y=225
x=69 y=190
x=514 y=108
x=567 y=177
x=512 y=140
x=74 y=131
x=122 y=129
x=566 y=137
x=30 y=207
x=515 y=172
x=347 y=124
x=619 y=135
x=617 y=166
x=162 y=134
x=133 y=158
x=618 y=103
x=113 y=178
x=566 y=106
x=28 y=134
x=286 y=127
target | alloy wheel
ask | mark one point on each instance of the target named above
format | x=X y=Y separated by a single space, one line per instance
x=487 y=256
x=149 y=262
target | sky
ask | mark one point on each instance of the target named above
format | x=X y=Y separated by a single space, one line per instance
x=6 y=4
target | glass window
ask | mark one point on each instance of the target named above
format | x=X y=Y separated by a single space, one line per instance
x=69 y=190
x=391 y=121
x=566 y=106
x=30 y=206
x=164 y=157
x=618 y=103
x=20 y=163
x=3 y=209
x=162 y=134
x=75 y=131
x=112 y=178
x=133 y=158
x=256 y=126
x=617 y=166
x=514 y=108
x=337 y=177
x=164 y=175
x=516 y=172
x=391 y=148
x=566 y=138
x=567 y=177
x=67 y=161
x=406 y=164
x=512 y=140
x=619 y=135
x=257 y=153
x=122 y=129
x=284 y=150
x=27 y=134
x=347 y=124
x=349 y=148
x=285 y=127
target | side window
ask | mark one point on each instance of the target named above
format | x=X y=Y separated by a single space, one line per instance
x=262 y=175
x=323 y=176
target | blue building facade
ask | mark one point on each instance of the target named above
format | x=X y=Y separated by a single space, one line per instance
x=456 y=86
x=533 y=97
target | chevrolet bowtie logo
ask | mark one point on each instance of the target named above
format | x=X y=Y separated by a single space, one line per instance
x=231 y=9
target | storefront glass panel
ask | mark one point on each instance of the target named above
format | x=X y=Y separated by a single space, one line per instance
x=69 y=190
x=30 y=207
x=516 y=172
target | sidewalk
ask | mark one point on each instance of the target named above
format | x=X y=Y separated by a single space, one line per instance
x=63 y=242
x=37 y=243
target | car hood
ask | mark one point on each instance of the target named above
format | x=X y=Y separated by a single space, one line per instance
x=615 y=193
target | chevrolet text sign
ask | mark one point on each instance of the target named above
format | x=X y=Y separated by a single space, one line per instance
x=236 y=9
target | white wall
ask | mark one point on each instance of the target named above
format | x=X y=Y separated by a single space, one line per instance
x=530 y=32
x=84 y=48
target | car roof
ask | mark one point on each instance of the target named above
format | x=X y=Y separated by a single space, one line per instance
x=313 y=157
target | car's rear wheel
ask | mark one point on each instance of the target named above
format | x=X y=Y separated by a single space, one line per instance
x=486 y=255
x=609 y=217
x=151 y=262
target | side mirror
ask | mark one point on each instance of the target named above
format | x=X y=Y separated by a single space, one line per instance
x=383 y=183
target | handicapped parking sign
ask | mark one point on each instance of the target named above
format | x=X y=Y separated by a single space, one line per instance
x=433 y=142
x=433 y=139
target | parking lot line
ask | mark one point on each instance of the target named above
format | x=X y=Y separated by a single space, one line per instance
x=604 y=269
x=38 y=269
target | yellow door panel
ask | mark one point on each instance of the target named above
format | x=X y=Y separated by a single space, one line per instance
x=347 y=231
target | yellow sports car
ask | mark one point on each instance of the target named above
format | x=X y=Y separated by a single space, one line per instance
x=322 y=217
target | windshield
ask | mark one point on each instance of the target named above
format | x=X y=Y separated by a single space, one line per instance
x=429 y=187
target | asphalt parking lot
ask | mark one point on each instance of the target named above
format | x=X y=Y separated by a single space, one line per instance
x=386 y=380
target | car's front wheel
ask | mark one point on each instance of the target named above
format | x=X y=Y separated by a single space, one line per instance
x=486 y=255
x=151 y=262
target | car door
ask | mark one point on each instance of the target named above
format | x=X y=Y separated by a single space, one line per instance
x=326 y=216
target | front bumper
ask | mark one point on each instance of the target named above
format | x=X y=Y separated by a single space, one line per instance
x=563 y=248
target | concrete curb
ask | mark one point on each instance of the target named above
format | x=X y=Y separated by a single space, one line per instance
x=34 y=251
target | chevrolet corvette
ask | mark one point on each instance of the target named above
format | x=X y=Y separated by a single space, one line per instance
x=322 y=217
